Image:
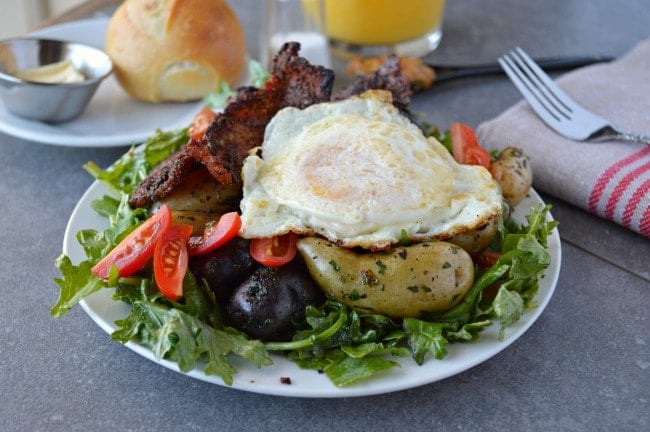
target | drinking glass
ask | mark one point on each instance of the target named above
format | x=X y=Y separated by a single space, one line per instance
x=377 y=27
x=297 y=21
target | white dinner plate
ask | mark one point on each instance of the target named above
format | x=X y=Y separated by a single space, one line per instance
x=112 y=117
x=309 y=383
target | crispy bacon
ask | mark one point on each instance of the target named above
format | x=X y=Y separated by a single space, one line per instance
x=420 y=75
x=163 y=179
x=389 y=77
x=293 y=82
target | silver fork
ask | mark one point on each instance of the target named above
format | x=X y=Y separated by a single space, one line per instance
x=557 y=109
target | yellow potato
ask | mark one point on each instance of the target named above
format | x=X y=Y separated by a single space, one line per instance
x=200 y=192
x=198 y=220
x=200 y=200
x=406 y=281
x=477 y=239
x=513 y=172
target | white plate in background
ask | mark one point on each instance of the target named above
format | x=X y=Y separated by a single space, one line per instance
x=112 y=117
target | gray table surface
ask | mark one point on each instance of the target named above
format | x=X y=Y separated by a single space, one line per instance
x=583 y=366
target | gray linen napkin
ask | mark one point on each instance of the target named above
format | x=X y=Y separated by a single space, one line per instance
x=611 y=180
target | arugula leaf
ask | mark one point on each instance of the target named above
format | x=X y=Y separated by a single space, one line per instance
x=123 y=222
x=106 y=207
x=259 y=74
x=373 y=348
x=346 y=346
x=76 y=283
x=467 y=309
x=426 y=338
x=351 y=369
x=469 y=332
x=125 y=174
x=525 y=251
x=508 y=307
x=184 y=336
x=218 y=99
x=327 y=326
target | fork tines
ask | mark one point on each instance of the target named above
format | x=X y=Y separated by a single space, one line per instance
x=540 y=91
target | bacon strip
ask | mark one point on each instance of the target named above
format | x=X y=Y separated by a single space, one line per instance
x=163 y=179
x=293 y=82
x=389 y=77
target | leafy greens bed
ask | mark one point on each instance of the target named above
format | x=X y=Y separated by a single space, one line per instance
x=346 y=346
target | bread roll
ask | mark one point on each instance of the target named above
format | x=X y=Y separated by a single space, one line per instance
x=175 y=50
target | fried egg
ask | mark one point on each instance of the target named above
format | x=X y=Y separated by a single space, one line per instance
x=359 y=173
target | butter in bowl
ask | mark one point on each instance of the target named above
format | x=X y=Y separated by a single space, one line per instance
x=50 y=80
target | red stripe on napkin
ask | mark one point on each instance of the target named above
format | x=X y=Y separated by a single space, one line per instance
x=633 y=203
x=604 y=179
x=621 y=193
x=621 y=187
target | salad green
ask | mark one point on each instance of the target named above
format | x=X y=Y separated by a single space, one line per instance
x=345 y=345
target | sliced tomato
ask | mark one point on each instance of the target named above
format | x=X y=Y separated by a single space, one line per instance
x=274 y=251
x=132 y=253
x=215 y=235
x=170 y=261
x=201 y=122
x=479 y=156
x=487 y=258
x=465 y=146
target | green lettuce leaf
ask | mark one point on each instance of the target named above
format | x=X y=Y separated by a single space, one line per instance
x=182 y=332
x=125 y=174
x=352 y=370
x=426 y=338
x=76 y=283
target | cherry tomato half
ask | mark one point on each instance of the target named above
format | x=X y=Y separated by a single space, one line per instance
x=170 y=261
x=487 y=258
x=132 y=253
x=215 y=235
x=201 y=122
x=274 y=251
x=465 y=146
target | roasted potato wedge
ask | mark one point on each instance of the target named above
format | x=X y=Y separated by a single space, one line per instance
x=200 y=200
x=200 y=192
x=406 y=281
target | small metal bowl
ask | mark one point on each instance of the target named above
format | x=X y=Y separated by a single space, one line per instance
x=49 y=102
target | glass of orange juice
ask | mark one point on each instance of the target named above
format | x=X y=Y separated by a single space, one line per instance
x=377 y=27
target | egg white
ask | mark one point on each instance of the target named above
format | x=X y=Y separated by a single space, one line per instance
x=360 y=174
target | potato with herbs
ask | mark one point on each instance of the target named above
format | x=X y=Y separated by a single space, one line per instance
x=200 y=199
x=477 y=239
x=406 y=281
x=512 y=170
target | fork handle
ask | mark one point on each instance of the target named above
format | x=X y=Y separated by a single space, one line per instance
x=610 y=134
x=628 y=137
x=452 y=72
